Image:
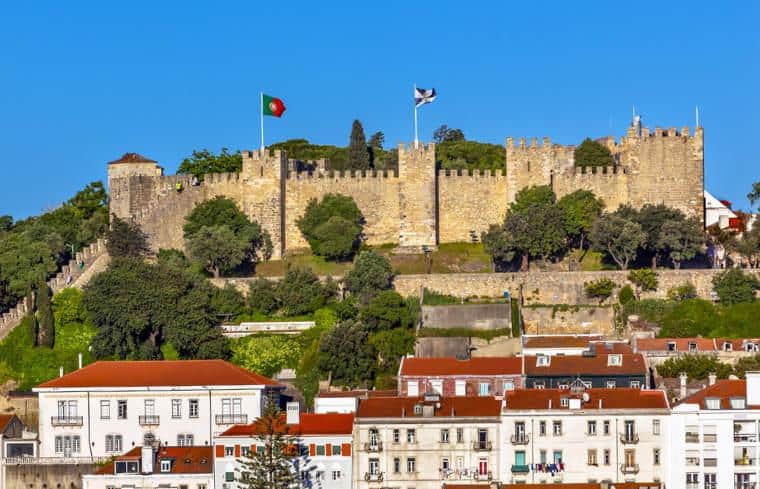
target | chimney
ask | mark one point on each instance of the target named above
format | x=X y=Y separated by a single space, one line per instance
x=60 y=371
x=711 y=378
x=684 y=378
x=79 y=357
x=753 y=388
x=147 y=459
x=293 y=413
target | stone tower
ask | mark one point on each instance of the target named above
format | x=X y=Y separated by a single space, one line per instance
x=132 y=182
x=263 y=197
x=417 y=197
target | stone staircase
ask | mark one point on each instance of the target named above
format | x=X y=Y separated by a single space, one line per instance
x=94 y=257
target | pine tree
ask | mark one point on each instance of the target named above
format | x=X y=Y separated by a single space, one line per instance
x=272 y=466
x=45 y=324
x=358 y=155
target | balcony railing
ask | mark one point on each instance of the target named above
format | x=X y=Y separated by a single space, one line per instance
x=66 y=420
x=231 y=419
x=745 y=461
x=148 y=420
x=481 y=446
x=373 y=476
x=629 y=439
x=692 y=437
x=629 y=468
x=520 y=469
x=28 y=460
x=745 y=485
x=373 y=446
x=520 y=439
x=481 y=477
x=745 y=437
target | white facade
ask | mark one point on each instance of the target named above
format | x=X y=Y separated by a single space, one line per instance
x=333 y=404
x=148 y=481
x=716 y=212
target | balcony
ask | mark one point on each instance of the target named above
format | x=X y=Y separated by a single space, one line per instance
x=231 y=419
x=629 y=468
x=745 y=438
x=745 y=461
x=482 y=477
x=481 y=446
x=744 y=485
x=373 y=476
x=376 y=446
x=520 y=469
x=66 y=421
x=629 y=438
x=522 y=439
x=692 y=438
x=148 y=420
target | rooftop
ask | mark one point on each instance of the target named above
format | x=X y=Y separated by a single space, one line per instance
x=132 y=158
x=185 y=460
x=575 y=485
x=597 y=399
x=5 y=420
x=724 y=390
x=403 y=407
x=442 y=366
x=309 y=424
x=560 y=341
x=675 y=344
x=597 y=365
x=155 y=373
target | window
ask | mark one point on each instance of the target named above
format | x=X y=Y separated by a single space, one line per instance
x=630 y=458
x=671 y=346
x=635 y=384
x=176 y=408
x=543 y=360
x=520 y=457
x=201 y=486
x=113 y=443
x=418 y=409
x=127 y=467
x=557 y=428
x=411 y=465
x=374 y=437
x=183 y=486
x=629 y=429
x=396 y=465
x=413 y=388
x=67 y=444
x=321 y=450
x=193 y=408
x=105 y=409
x=614 y=360
x=436 y=386
x=260 y=449
x=655 y=426
x=656 y=456
x=245 y=451
x=712 y=403
x=185 y=440
x=445 y=464
x=692 y=346
x=67 y=409
x=150 y=407
x=374 y=466
x=710 y=481
x=542 y=428
x=411 y=436
x=229 y=476
x=727 y=346
x=229 y=451
x=460 y=388
x=444 y=436
x=606 y=457
x=557 y=456
x=121 y=409
x=539 y=384
x=606 y=426
x=591 y=428
x=738 y=403
x=335 y=449
x=692 y=479
x=460 y=435
x=591 y=458
x=484 y=388
x=166 y=465
x=542 y=456
x=610 y=384
x=564 y=401
x=396 y=435
x=336 y=475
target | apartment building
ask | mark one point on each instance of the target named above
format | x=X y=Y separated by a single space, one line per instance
x=448 y=376
x=426 y=442
x=109 y=407
x=658 y=350
x=581 y=435
x=594 y=369
x=155 y=467
x=715 y=437
x=324 y=441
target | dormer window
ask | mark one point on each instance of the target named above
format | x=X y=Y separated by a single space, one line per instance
x=615 y=360
x=543 y=360
x=126 y=467
x=750 y=347
x=671 y=346
x=712 y=403
x=418 y=409
x=727 y=346
x=738 y=403
x=692 y=346
x=166 y=465
x=564 y=401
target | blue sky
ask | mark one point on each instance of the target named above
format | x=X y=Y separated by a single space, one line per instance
x=83 y=83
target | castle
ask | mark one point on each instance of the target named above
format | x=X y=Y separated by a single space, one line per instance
x=418 y=206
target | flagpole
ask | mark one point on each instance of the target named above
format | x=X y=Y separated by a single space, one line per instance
x=416 y=141
x=261 y=114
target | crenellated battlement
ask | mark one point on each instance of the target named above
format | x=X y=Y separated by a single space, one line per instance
x=471 y=173
x=342 y=174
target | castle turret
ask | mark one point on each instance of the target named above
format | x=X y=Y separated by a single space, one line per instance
x=132 y=180
x=264 y=193
x=417 y=196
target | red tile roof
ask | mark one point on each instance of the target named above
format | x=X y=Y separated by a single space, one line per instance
x=682 y=344
x=444 y=366
x=359 y=393
x=5 y=420
x=611 y=347
x=310 y=424
x=154 y=373
x=736 y=344
x=721 y=389
x=132 y=158
x=610 y=399
x=397 y=407
x=186 y=460
x=559 y=341
x=568 y=485
x=632 y=364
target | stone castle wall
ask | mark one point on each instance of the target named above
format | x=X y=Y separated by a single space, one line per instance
x=419 y=206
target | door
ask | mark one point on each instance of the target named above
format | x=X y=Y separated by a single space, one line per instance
x=630 y=430
x=482 y=438
x=483 y=466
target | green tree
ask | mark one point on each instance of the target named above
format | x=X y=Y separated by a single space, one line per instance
x=347 y=355
x=599 y=289
x=45 y=321
x=272 y=467
x=690 y=318
x=683 y=292
x=580 y=209
x=358 y=155
x=217 y=249
x=23 y=260
x=459 y=155
x=626 y=295
x=696 y=366
x=734 y=286
x=262 y=296
x=6 y=223
x=301 y=292
x=746 y=364
x=332 y=226
x=390 y=346
x=447 y=134
x=370 y=274
x=203 y=162
x=593 y=153
x=754 y=194
x=387 y=310
x=227 y=301
x=652 y=219
x=749 y=246
x=618 y=237
x=644 y=279
x=680 y=240
x=531 y=197
x=266 y=355
x=302 y=150
x=126 y=239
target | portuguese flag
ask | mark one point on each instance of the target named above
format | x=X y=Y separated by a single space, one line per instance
x=272 y=106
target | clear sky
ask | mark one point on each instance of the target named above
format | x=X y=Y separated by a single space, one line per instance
x=81 y=83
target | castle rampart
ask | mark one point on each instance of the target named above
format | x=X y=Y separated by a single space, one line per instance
x=418 y=206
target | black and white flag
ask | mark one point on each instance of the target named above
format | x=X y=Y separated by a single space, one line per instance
x=423 y=96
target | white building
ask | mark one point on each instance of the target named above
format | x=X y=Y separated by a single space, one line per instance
x=107 y=408
x=324 y=441
x=580 y=435
x=153 y=468
x=426 y=442
x=716 y=212
x=715 y=437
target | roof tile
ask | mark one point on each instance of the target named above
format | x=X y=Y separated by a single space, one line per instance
x=310 y=424
x=538 y=399
x=453 y=366
x=397 y=407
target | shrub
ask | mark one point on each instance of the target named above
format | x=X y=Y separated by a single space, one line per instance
x=262 y=296
x=434 y=298
x=592 y=153
x=332 y=226
x=644 y=279
x=626 y=295
x=734 y=286
x=126 y=239
x=599 y=289
x=227 y=301
x=301 y=292
x=387 y=310
x=695 y=366
x=371 y=274
x=683 y=292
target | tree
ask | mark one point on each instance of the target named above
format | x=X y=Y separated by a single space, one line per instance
x=358 y=155
x=749 y=246
x=593 y=153
x=370 y=274
x=126 y=239
x=681 y=240
x=346 y=353
x=652 y=218
x=528 y=198
x=696 y=366
x=734 y=286
x=457 y=155
x=600 y=289
x=6 y=223
x=617 y=237
x=262 y=296
x=203 y=162
x=23 y=260
x=754 y=194
x=644 y=279
x=446 y=134
x=387 y=310
x=391 y=345
x=377 y=140
x=301 y=292
x=45 y=321
x=580 y=209
x=217 y=249
x=272 y=467
x=227 y=301
x=683 y=292
x=333 y=226
x=266 y=355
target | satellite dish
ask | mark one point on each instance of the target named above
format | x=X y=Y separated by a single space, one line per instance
x=586 y=397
